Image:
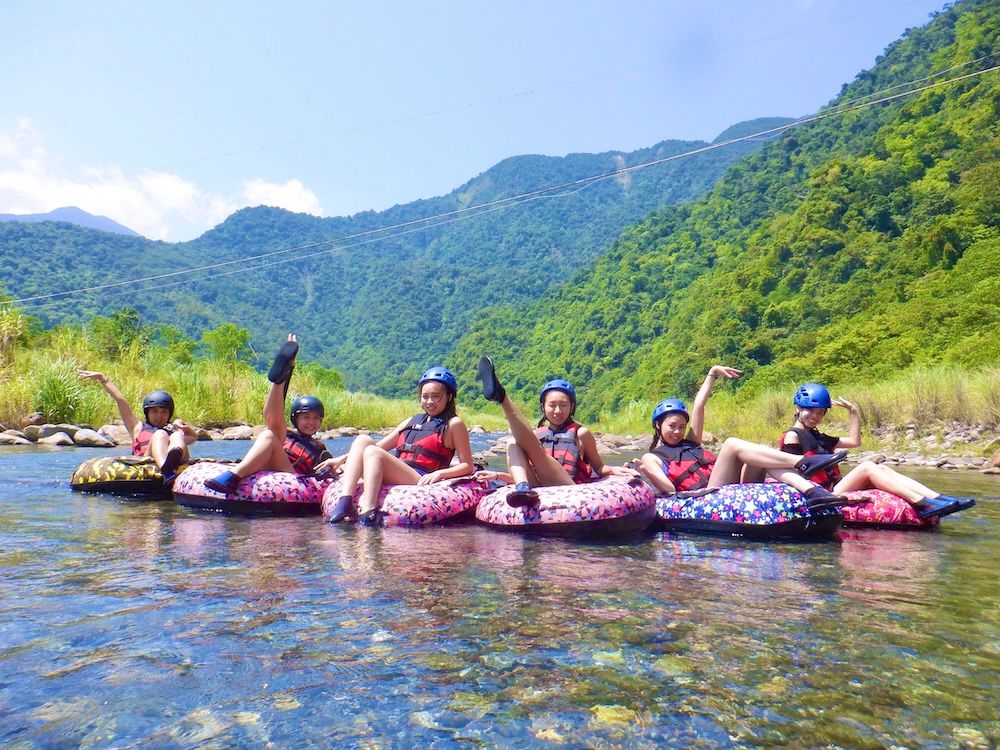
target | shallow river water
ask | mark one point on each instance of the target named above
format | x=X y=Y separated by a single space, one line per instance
x=143 y=624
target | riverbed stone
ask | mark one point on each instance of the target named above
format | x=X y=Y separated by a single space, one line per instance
x=35 y=418
x=116 y=433
x=202 y=433
x=7 y=438
x=239 y=432
x=60 y=438
x=92 y=439
x=994 y=460
x=991 y=470
x=47 y=430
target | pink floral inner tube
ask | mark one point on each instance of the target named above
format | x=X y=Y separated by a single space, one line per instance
x=275 y=493
x=415 y=505
x=885 y=511
x=608 y=507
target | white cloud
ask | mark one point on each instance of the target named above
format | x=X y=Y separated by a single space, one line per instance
x=293 y=196
x=159 y=205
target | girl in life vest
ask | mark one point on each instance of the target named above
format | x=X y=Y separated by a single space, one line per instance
x=556 y=452
x=418 y=451
x=812 y=401
x=278 y=447
x=158 y=435
x=681 y=464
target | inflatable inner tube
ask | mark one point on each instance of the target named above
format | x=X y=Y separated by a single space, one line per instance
x=883 y=510
x=274 y=493
x=414 y=505
x=612 y=506
x=129 y=476
x=770 y=511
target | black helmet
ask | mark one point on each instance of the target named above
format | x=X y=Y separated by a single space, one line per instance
x=303 y=404
x=158 y=398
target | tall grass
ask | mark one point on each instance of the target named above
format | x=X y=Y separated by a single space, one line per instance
x=42 y=377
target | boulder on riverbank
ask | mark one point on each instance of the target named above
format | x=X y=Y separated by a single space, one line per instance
x=92 y=439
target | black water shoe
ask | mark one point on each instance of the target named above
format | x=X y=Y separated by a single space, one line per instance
x=819 y=498
x=284 y=363
x=942 y=505
x=173 y=459
x=371 y=518
x=341 y=509
x=522 y=496
x=492 y=389
x=226 y=482
x=810 y=465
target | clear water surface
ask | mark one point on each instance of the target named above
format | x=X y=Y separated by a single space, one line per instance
x=143 y=624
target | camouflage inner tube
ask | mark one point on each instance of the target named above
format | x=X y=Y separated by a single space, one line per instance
x=122 y=475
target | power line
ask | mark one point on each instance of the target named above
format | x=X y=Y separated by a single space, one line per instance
x=568 y=188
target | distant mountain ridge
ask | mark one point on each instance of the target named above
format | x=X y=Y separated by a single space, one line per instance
x=74 y=215
x=380 y=308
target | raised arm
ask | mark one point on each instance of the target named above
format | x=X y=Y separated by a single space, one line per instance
x=697 y=426
x=588 y=447
x=124 y=410
x=853 y=439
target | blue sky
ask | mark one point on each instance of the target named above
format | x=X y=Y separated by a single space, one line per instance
x=168 y=117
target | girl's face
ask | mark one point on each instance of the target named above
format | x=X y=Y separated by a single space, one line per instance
x=557 y=407
x=158 y=416
x=673 y=428
x=308 y=422
x=434 y=397
x=810 y=418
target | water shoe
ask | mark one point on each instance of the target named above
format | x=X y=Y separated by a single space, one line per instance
x=225 y=483
x=341 y=509
x=487 y=375
x=284 y=363
x=810 y=465
x=522 y=496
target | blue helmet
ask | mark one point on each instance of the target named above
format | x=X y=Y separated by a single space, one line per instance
x=158 y=398
x=669 y=406
x=303 y=404
x=558 y=385
x=813 y=396
x=440 y=375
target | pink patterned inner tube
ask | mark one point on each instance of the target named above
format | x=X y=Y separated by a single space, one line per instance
x=414 y=505
x=610 y=504
x=883 y=509
x=275 y=492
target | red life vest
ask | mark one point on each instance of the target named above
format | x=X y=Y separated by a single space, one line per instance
x=814 y=443
x=563 y=446
x=304 y=451
x=421 y=444
x=687 y=465
x=140 y=443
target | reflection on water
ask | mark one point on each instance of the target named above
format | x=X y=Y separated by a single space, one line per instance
x=127 y=624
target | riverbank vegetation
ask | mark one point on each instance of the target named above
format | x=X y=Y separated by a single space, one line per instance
x=212 y=380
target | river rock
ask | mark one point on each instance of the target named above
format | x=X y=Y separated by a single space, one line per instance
x=257 y=429
x=203 y=434
x=991 y=470
x=60 y=438
x=116 y=433
x=8 y=438
x=994 y=460
x=476 y=429
x=36 y=417
x=240 y=432
x=52 y=429
x=92 y=439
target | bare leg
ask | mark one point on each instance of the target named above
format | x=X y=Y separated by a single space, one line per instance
x=267 y=452
x=162 y=443
x=381 y=466
x=354 y=465
x=548 y=471
x=519 y=467
x=736 y=454
x=868 y=475
x=274 y=411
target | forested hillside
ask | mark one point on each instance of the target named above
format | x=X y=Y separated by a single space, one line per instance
x=852 y=248
x=378 y=309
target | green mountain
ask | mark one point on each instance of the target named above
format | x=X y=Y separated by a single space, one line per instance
x=382 y=306
x=850 y=249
